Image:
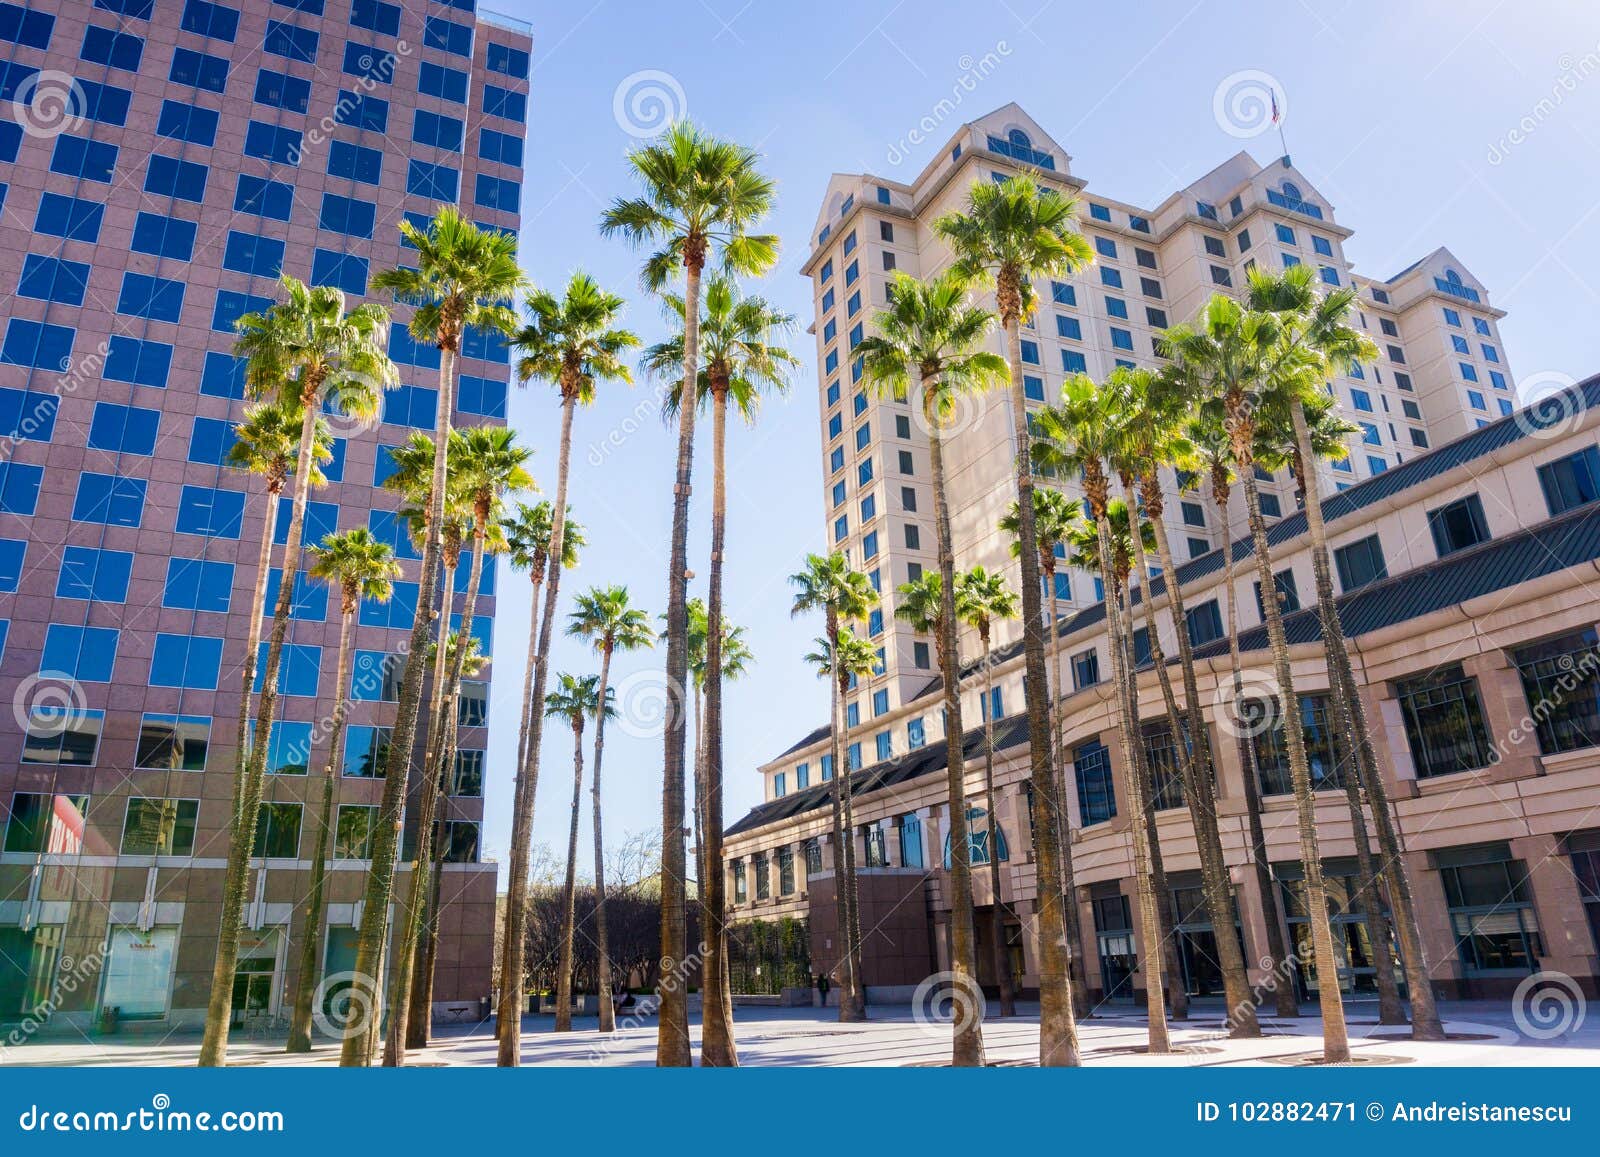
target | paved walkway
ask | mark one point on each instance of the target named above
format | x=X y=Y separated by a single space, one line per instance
x=1487 y=1036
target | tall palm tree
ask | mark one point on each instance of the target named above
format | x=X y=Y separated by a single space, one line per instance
x=1235 y=353
x=928 y=342
x=1151 y=434
x=700 y=201
x=575 y=699
x=1012 y=232
x=486 y=463
x=574 y=343
x=981 y=598
x=360 y=567
x=1317 y=329
x=1210 y=440
x=844 y=595
x=1053 y=514
x=466 y=280
x=606 y=617
x=740 y=358
x=309 y=352
x=844 y=662
x=528 y=532
x=1076 y=438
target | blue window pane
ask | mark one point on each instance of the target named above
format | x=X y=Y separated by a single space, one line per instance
x=502 y=102
x=376 y=15
x=124 y=429
x=431 y=128
x=355 y=162
x=28 y=415
x=257 y=256
x=513 y=62
x=87 y=573
x=69 y=217
x=346 y=215
x=155 y=298
x=308 y=602
x=12 y=553
x=222 y=376
x=485 y=396
x=444 y=83
x=163 y=236
x=263 y=198
x=210 y=440
x=104 y=102
x=200 y=70
x=361 y=110
x=19 y=487
x=298 y=670
x=501 y=147
x=107 y=46
x=75 y=156
x=109 y=499
x=184 y=122
x=447 y=36
x=32 y=29
x=272 y=143
x=190 y=661
x=87 y=654
x=341 y=270
x=34 y=343
x=195 y=584
x=414 y=406
x=399 y=612
x=52 y=279
x=369 y=63
x=435 y=182
x=230 y=306
x=388 y=527
x=213 y=20
x=288 y=747
x=289 y=41
x=209 y=511
x=182 y=180
x=321 y=520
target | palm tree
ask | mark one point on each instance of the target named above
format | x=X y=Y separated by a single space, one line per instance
x=486 y=463
x=1013 y=232
x=1317 y=330
x=574 y=699
x=701 y=198
x=739 y=359
x=1053 y=514
x=1235 y=353
x=606 y=618
x=573 y=342
x=1076 y=438
x=309 y=353
x=1149 y=412
x=360 y=567
x=982 y=597
x=528 y=533
x=466 y=279
x=843 y=595
x=844 y=662
x=931 y=333
x=1210 y=440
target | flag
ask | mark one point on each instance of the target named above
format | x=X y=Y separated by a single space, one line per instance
x=1274 y=94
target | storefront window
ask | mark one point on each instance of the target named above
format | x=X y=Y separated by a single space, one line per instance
x=139 y=972
x=1351 y=943
x=1491 y=910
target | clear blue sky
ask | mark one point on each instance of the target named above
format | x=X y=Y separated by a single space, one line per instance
x=1402 y=114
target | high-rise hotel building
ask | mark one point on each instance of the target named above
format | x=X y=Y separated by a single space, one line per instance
x=162 y=162
x=1464 y=532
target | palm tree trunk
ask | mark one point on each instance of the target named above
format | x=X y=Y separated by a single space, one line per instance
x=426 y=884
x=1069 y=885
x=1280 y=979
x=1200 y=785
x=236 y=883
x=997 y=911
x=967 y=1046
x=1358 y=738
x=1335 y=1041
x=311 y=927
x=569 y=889
x=855 y=976
x=1124 y=679
x=608 y=1020
x=537 y=575
x=717 y=1046
x=374 y=935
x=843 y=886
x=672 y=1037
x=511 y=982
x=1058 y=1029
x=414 y=914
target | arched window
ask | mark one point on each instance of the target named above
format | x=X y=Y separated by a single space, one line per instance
x=1019 y=138
x=1292 y=191
x=1452 y=277
x=978 y=839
